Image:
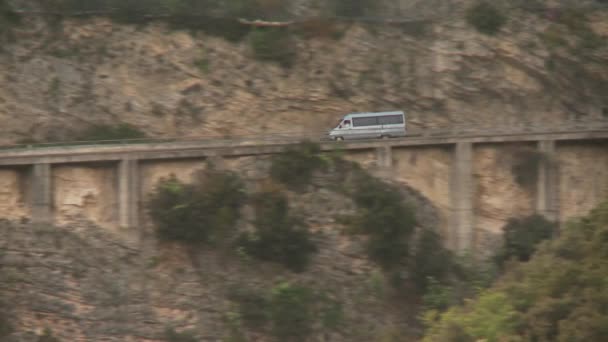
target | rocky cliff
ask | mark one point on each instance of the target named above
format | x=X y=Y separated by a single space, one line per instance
x=546 y=64
x=86 y=282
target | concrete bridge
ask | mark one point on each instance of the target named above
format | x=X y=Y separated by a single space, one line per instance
x=452 y=181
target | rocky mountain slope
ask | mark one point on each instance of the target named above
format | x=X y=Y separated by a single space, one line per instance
x=546 y=64
x=89 y=283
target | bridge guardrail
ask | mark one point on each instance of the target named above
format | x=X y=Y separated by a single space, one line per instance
x=458 y=130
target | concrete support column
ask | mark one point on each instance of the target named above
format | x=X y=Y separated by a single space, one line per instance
x=384 y=157
x=461 y=225
x=547 y=200
x=128 y=193
x=42 y=193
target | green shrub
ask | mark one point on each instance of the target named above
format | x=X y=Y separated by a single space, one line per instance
x=278 y=237
x=472 y=275
x=386 y=220
x=526 y=166
x=206 y=211
x=521 y=236
x=291 y=313
x=430 y=260
x=173 y=336
x=297 y=165
x=560 y=294
x=485 y=17
x=8 y=18
x=437 y=296
x=332 y=314
x=492 y=317
x=274 y=44
x=111 y=132
x=254 y=307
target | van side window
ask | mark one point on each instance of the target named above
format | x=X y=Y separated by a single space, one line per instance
x=391 y=120
x=365 y=121
x=346 y=123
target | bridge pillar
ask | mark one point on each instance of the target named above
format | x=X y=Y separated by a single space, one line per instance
x=384 y=157
x=42 y=193
x=547 y=201
x=460 y=236
x=128 y=193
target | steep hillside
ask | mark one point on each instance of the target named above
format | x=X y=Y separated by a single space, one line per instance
x=158 y=282
x=547 y=63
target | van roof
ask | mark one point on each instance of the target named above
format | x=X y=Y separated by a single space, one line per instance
x=356 y=115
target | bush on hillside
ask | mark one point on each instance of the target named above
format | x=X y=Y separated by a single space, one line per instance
x=384 y=218
x=297 y=165
x=289 y=309
x=111 y=132
x=274 y=44
x=526 y=166
x=431 y=261
x=291 y=312
x=558 y=295
x=205 y=211
x=173 y=336
x=521 y=236
x=8 y=19
x=253 y=307
x=485 y=17
x=278 y=236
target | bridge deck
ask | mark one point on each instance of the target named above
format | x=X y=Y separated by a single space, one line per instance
x=162 y=149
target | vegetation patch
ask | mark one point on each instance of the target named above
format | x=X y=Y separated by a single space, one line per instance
x=485 y=17
x=431 y=262
x=279 y=236
x=111 y=132
x=291 y=312
x=526 y=166
x=203 y=212
x=185 y=336
x=560 y=294
x=288 y=312
x=384 y=218
x=8 y=17
x=521 y=236
x=297 y=165
x=274 y=44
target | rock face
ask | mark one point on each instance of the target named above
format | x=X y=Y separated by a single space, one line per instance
x=81 y=192
x=578 y=164
x=498 y=196
x=88 y=283
x=61 y=78
x=13 y=202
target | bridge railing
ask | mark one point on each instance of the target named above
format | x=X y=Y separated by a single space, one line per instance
x=456 y=130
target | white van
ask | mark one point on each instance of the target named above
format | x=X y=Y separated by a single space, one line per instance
x=370 y=125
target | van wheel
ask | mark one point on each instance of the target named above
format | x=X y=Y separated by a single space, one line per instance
x=339 y=138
